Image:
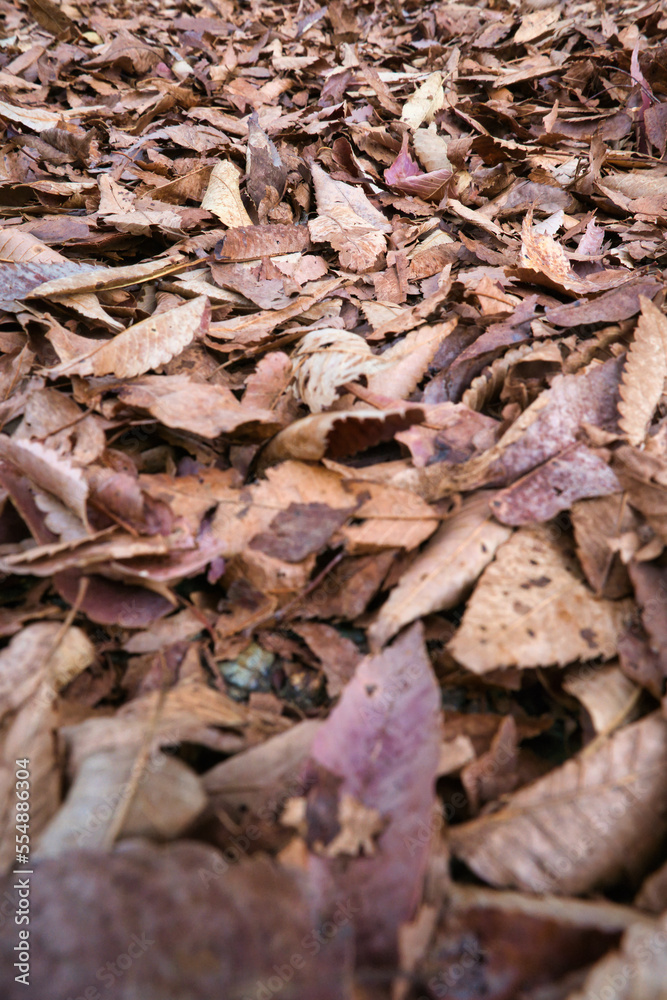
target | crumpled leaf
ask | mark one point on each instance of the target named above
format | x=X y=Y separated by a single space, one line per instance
x=644 y=477
x=348 y=221
x=431 y=148
x=522 y=611
x=544 y=261
x=427 y=99
x=594 y=820
x=325 y=360
x=223 y=196
x=337 y=435
x=407 y=361
x=643 y=379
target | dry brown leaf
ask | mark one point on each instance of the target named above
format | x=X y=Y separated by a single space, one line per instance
x=390 y=519
x=598 y=525
x=531 y=609
x=38 y=119
x=201 y=408
x=23 y=247
x=261 y=779
x=146 y=345
x=38 y=663
x=337 y=435
x=442 y=574
x=643 y=379
x=348 y=221
x=407 y=361
x=644 y=477
x=325 y=360
x=99 y=279
x=593 y=821
x=223 y=196
x=254 y=242
x=50 y=471
x=544 y=261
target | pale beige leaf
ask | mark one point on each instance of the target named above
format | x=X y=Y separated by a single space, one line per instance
x=168 y=798
x=643 y=379
x=425 y=102
x=47 y=469
x=325 y=360
x=442 y=574
x=407 y=360
x=191 y=711
x=595 y=820
x=58 y=518
x=146 y=345
x=431 y=148
x=606 y=694
x=223 y=196
x=348 y=221
x=532 y=609
x=390 y=518
x=39 y=652
x=637 y=971
x=39 y=662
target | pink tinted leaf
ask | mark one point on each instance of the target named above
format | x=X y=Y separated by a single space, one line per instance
x=402 y=167
x=380 y=746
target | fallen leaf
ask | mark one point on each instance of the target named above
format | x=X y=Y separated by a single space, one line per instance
x=446 y=569
x=381 y=743
x=427 y=99
x=337 y=435
x=325 y=360
x=523 y=610
x=223 y=196
x=348 y=221
x=146 y=345
x=643 y=379
x=592 y=821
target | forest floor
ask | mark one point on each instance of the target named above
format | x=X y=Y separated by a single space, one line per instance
x=333 y=500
